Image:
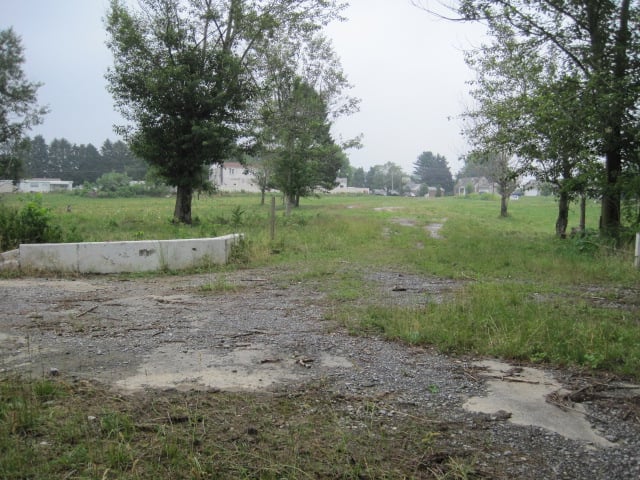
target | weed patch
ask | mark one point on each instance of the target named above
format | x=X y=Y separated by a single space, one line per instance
x=309 y=434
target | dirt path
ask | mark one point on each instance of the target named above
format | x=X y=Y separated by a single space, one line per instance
x=256 y=330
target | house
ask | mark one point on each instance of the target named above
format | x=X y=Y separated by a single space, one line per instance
x=432 y=192
x=232 y=177
x=342 y=187
x=235 y=177
x=45 y=185
x=468 y=185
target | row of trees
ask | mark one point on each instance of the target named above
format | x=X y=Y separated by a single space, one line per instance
x=557 y=89
x=430 y=170
x=202 y=81
x=79 y=163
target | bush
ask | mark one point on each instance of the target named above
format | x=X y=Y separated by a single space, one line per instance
x=32 y=224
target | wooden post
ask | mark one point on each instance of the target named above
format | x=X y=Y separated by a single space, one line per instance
x=637 y=263
x=273 y=218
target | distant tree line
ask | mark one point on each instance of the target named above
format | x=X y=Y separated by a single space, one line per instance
x=430 y=170
x=80 y=163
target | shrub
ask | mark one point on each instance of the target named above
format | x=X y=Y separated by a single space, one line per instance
x=31 y=224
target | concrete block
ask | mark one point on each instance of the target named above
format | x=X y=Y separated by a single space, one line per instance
x=54 y=257
x=134 y=256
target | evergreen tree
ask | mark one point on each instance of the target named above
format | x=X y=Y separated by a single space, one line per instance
x=433 y=171
x=37 y=158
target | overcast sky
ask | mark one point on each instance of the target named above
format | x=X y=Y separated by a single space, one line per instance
x=406 y=67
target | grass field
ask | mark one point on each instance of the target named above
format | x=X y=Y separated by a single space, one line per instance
x=522 y=295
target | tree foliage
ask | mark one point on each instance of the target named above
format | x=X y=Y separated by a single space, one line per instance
x=305 y=155
x=387 y=177
x=18 y=105
x=306 y=90
x=432 y=169
x=537 y=114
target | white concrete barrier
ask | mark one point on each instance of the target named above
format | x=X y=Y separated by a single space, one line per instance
x=135 y=256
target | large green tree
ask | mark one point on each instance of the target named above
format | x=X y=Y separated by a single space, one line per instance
x=37 y=158
x=177 y=77
x=387 y=177
x=118 y=157
x=18 y=106
x=358 y=178
x=306 y=90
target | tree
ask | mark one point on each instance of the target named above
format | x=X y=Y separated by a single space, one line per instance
x=358 y=178
x=37 y=159
x=117 y=157
x=375 y=178
x=501 y=171
x=598 y=40
x=305 y=155
x=88 y=161
x=18 y=108
x=433 y=171
x=306 y=90
x=182 y=90
x=185 y=72
x=472 y=167
x=62 y=161
x=387 y=177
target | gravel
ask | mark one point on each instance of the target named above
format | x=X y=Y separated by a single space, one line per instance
x=273 y=333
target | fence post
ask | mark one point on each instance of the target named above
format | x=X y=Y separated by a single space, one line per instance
x=272 y=223
x=637 y=262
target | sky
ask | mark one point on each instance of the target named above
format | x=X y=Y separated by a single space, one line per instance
x=406 y=66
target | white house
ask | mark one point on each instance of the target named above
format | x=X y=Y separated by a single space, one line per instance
x=342 y=187
x=232 y=177
x=467 y=185
x=45 y=185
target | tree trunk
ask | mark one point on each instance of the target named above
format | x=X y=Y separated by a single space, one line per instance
x=583 y=213
x=182 y=212
x=504 y=199
x=610 y=218
x=288 y=204
x=610 y=213
x=563 y=215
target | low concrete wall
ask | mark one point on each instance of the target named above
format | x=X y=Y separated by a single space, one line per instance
x=116 y=257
